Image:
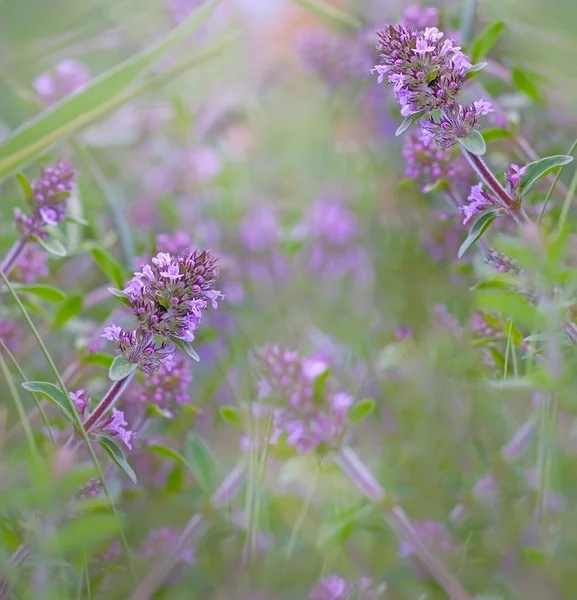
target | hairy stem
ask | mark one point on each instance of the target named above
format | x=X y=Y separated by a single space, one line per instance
x=227 y=490
x=363 y=479
x=11 y=259
x=111 y=397
x=487 y=177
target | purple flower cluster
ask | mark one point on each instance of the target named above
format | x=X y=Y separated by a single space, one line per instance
x=140 y=347
x=335 y=587
x=168 y=296
x=168 y=387
x=68 y=77
x=428 y=72
x=428 y=164
x=307 y=418
x=49 y=195
x=114 y=425
x=32 y=265
x=180 y=9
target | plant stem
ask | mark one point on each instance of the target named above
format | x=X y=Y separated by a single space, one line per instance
x=227 y=490
x=486 y=175
x=113 y=394
x=12 y=257
x=363 y=479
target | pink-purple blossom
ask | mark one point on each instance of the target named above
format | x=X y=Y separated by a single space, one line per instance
x=68 y=77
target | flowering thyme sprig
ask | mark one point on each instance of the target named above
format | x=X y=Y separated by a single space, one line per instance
x=48 y=197
x=168 y=298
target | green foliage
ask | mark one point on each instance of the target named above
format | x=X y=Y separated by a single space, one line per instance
x=121 y=368
x=478 y=229
x=540 y=168
x=474 y=143
x=54 y=394
x=117 y=455
x=200 y=461
x=484 y=42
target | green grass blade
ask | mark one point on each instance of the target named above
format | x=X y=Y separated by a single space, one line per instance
x=104 y=94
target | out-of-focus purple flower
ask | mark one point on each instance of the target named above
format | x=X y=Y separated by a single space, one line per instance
x=432 y=534
x=161 y=541
x=335 y=60
x=68 y=77
x=10 y=333
x=91 y=489
x=446 y=321
x=287 y=383
x=115 y=426
x=180 y=9
x=178 y=242
x=259 y=231
x=502 y=263
x=204 y=162
x=334 y=587
x=427 y=71
x=443 y=236
x=168 y=388
x=416 y=16
x=479 y=201
x=333 y=247
x=169 y=295
x=428 y=164
x=485 y=489
x=456 y=121
x=403 y=333
x=49 y=200
x=32 y=265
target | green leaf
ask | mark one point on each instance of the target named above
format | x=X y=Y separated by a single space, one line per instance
x=478 y=229
x=437 y=186
x=360 y=410
x=102 y=359
x=121 y=368
x=44 y=292
x=510 y=304
x=167 y=452
x=474 y=143
x=26 y=187
x=70 y=309
x=540 y=168
x=83 y=532
x=200 y=461
x=232 y=415
x=485 y=41
x=408 y=122
x=109 y=266
x=123 y=296
x=117 y=455
x=101 y=96
x=474 y=70
x=340 y=526
x=331 y=15
x=187 y=347
x=492 y=134
x=52 y=245
x=320 y=384
x=525 y=81
x=54 y=394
